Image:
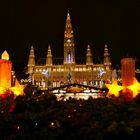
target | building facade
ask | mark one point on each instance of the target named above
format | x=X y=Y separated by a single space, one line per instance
x=54 y=75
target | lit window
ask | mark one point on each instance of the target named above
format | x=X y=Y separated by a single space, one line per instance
x=69 y=40
x=84 y=69
x=58 y=69
x=69 y=57
x=89 y=68
x=80 y=69
x=76 y=69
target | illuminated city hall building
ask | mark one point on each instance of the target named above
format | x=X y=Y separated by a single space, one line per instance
x=54 y=75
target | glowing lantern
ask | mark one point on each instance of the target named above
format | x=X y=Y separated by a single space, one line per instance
x=128 y=71
x=5 y=70
x=131 y=87
x=5 y=77
x=2 y=90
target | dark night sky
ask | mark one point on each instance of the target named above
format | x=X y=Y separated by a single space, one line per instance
x=40 y=22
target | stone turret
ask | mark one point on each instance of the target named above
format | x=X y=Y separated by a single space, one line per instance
x=49 y=57
x=107 y=64
x=31 y=61
x=107 y=61
x=89 y=60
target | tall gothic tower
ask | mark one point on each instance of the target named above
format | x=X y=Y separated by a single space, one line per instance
x=31 y=61
x=107 y=62
x=69 y=51
x=49 y=57
x=89 y=60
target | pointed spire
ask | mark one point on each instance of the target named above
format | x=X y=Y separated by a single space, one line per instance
x=31 y=61
x=89 y=60
x=106 y=56
x=68 y=27
x=69 y=50
x=49 y=56
x=31 y=51
x=49 y=51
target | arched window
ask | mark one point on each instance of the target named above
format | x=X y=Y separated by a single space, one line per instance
x=69 y=57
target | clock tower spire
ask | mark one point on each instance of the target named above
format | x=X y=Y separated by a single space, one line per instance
x=69 y=50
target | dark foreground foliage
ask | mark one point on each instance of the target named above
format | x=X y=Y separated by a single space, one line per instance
x=41 y=117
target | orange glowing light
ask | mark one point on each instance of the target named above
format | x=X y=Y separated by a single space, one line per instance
x=135 y=88
x=5 y=70
x=17 y=89
x=2 y=90
x=114 y=88
x=131 y=87
x=5 y=77
x=75 y=89
x=5 y=55
x=128 y=71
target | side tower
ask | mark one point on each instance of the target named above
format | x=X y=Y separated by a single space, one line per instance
x=49 y=57
x=69 y=50
x=89 y=60
x=107 y=63
x=31 y=61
